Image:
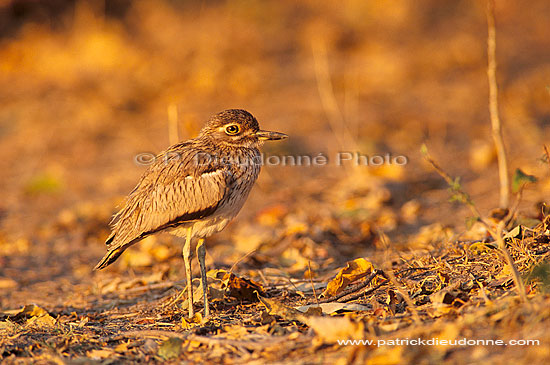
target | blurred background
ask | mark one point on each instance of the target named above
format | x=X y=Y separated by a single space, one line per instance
x=85 y=86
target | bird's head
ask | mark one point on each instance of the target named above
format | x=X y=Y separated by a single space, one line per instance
x=237 y=128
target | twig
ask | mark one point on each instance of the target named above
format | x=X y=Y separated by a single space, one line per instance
x=311 y=281
x=146 y=333
x=510 y=261
x=251 y=345
x=240 y=260
x=388 y=274
x=391 y=278
x=173 y=135
x=328 y=100
x=164 y=285
x=547 y=155
x=351 y=289
x=448 y=288
x=493 y=107
x=451 y=182
x=414 y=269
x=177 y=298
x=497 y=234
x=354 y=296
x=510 y=216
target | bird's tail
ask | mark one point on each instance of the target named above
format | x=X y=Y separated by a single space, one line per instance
x=115 y=250
x=109 y=258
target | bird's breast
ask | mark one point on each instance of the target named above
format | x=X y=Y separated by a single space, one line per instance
x=243 y=170
x=244 y=175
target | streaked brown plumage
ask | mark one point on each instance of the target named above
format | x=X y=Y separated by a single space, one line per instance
x=193 y=189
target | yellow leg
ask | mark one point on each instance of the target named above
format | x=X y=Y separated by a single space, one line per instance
x=186 y=259
x=201 y=254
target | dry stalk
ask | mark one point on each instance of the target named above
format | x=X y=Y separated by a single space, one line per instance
x=173 y=135
x=497 y=234
x=510 y=261
x=499 y=143
x=311 y=282
x=241 y=260
x=391 y=277
x=335 y=117
x=547 y=152
x=388 y=274
x=493 y=107
x=449 y=180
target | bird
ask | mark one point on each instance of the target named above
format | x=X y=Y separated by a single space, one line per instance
x=193 y=190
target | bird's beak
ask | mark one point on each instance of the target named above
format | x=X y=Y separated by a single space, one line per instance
x=269 y=135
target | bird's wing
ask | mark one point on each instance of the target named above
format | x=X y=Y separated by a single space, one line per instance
x=178 y=187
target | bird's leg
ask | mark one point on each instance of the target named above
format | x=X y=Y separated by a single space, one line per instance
x=201 y=254
x=186 y=259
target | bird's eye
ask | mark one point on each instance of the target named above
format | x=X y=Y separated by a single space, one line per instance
x=232 y=129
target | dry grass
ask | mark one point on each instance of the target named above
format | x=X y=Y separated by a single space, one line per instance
x=85 y=90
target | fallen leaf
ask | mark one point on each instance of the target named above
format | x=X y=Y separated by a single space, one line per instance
x=7 y=283
x=540 y=274
x=430 y=235
x=272 y=215
x=188 y=323
x=332 y=329
x=520 y=179
x=452 y=297
x=329 y=308
x=394 y=299
x=281 y=310
x=354 y=270
x=387 y=355
x=389 y=327
x=306 y=287
x=122 y=347
x=30 y=310
x=42 y=321
x=294 y=260
x=33 y=315
x=171 y=348
x=410 y=210
x=516 y=232
x=449 y=332
x=503 y=276
x=481 y=247
x=248 y=238
x=100 y=354
x=389 y=171
x=295 y=225
x=7 y=325
x=482 y=154
x=241 y=288
x=235 y=331
x=381 y=312
x=150 y=346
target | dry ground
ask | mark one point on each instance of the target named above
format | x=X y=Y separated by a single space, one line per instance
x=85 y=87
